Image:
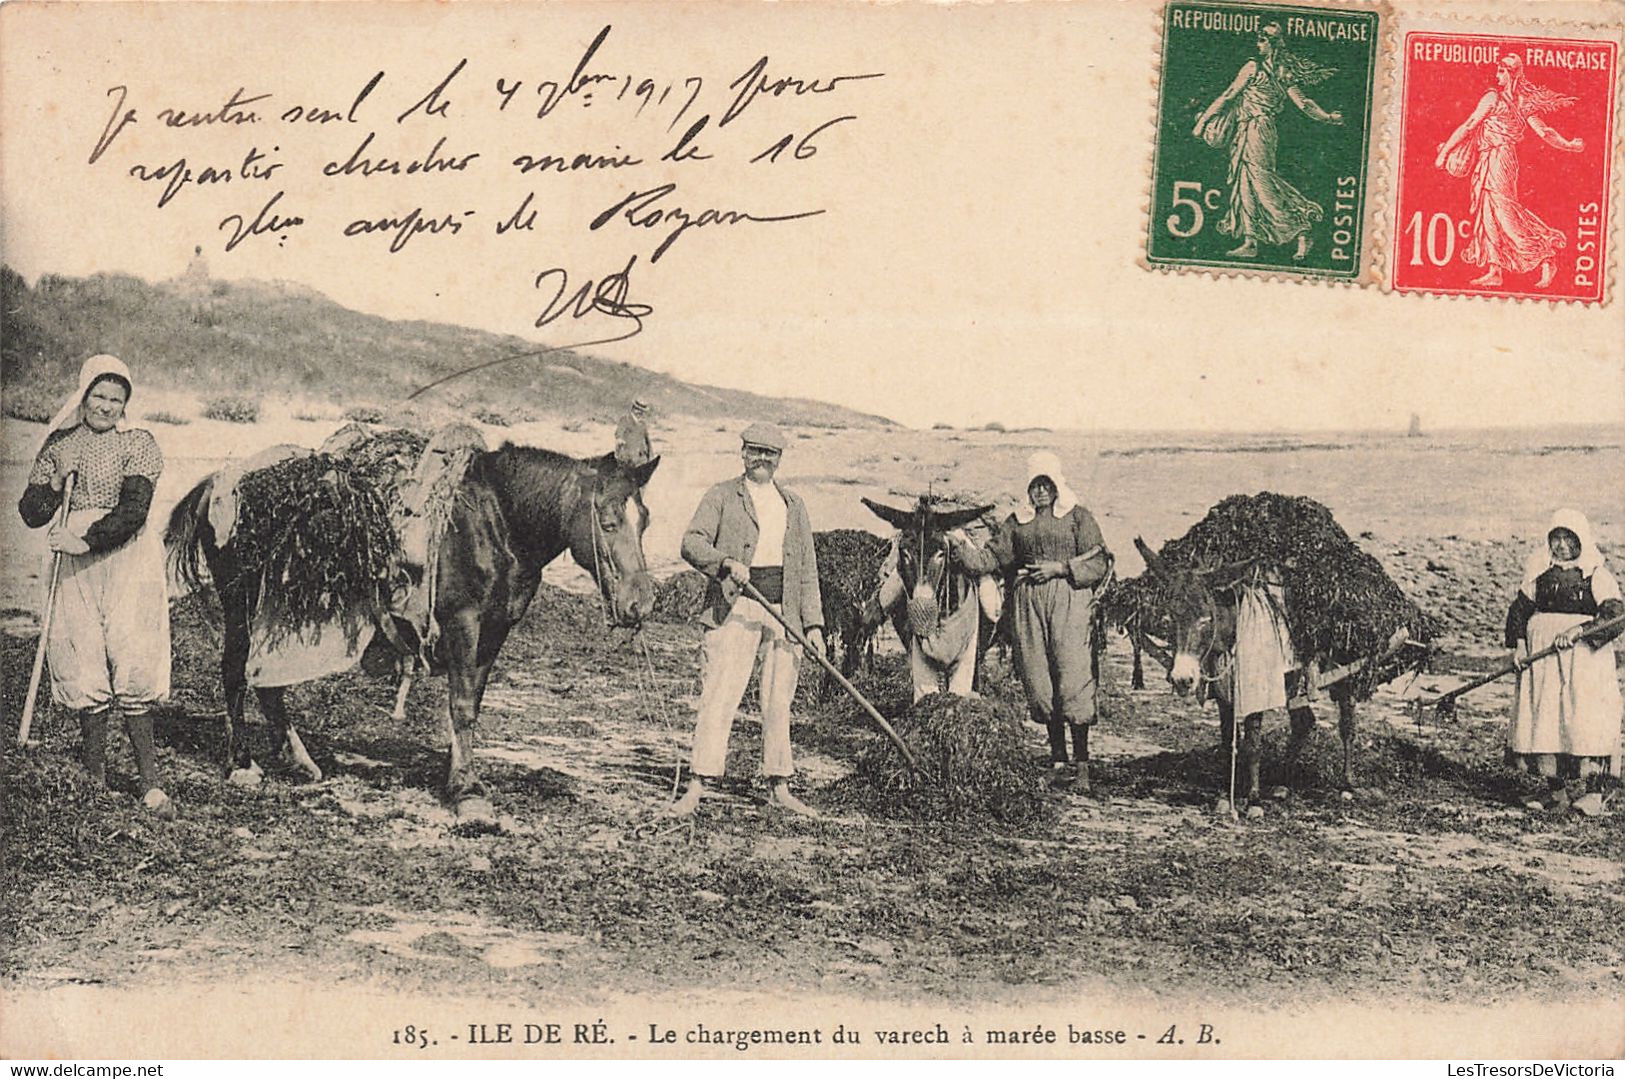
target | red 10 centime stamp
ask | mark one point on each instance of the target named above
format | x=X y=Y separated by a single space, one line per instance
x=1506 y=160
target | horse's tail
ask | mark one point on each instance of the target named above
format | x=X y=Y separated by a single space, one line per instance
x=183 y=542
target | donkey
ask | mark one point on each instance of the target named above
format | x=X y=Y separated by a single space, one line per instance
x=851 y=563
x=518 y=509
x=921 y=560
x=1201 y=608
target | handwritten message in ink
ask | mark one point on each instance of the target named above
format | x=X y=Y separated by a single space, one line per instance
x=560 y=145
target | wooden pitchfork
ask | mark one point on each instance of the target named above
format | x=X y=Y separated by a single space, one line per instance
x=45 y=619
x=823 y=661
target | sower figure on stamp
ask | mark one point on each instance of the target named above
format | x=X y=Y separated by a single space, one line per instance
x=751 y=529
x=1506 y=236
x=1056 y=549
x=109 y=638
x=1263 y=207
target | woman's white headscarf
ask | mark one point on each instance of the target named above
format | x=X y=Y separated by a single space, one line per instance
x=1540 y=559
x=72 y=413
x=1044 y=463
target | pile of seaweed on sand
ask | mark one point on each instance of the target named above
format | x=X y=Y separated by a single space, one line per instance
x=315 y=543
x=1341 y=605
x=974 y=759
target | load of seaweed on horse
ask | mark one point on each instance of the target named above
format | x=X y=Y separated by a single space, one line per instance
x=1340 y=604
x=314 y=539
x=313 y=534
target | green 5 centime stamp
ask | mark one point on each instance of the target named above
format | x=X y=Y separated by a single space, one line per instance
x=1263 y=147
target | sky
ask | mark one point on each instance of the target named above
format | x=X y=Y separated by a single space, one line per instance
x=981 y=207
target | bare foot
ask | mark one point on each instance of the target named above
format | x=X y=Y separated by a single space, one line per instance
x=158 y=804
x=688 y=803
x=1247 y=250
x=1490 y=278
x=1304 y=244
x=249 y=777
x=783 y=799
x=1547 y=272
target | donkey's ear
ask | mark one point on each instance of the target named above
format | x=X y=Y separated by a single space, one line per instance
x=898 y=519
x=640 y=475
x=1153 y=561
x=944 y=520
x=1229 y=574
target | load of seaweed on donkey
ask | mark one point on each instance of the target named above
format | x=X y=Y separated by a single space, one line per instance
x=1340 y=604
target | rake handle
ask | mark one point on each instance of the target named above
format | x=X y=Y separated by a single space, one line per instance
x=1448 y=699
x=45 y=620
x=823 y=661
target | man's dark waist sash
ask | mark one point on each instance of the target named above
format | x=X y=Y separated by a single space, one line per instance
x=769 y=581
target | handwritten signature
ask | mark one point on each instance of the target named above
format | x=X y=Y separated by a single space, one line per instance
x=643 y=209
x=608 y=297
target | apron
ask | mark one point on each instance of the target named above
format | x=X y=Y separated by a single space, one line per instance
x=1263 y=653
x=1569 y=703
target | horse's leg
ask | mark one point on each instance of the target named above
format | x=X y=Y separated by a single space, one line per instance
x=285 y=741
x=1254 y=732
x=464 y=789
x=404 y=670
x=1302 y=721
x=240 y=767
x=1345 y=728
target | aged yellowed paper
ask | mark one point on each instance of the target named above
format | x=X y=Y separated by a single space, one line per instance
x=386 y=766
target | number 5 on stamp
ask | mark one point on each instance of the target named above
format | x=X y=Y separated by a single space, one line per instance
x=1263 y=144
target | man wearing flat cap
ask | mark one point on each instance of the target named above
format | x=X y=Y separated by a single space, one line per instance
x=751 y=529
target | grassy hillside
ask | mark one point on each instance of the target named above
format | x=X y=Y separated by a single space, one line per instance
x=278 y=338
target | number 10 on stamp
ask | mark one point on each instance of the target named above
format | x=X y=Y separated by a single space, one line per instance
x=1263 y=143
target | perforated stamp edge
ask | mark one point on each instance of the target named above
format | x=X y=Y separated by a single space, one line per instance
x=1373 y=209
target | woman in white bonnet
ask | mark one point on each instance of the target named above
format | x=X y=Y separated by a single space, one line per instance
x=1566 y=719
x=1054 y=548
x=109 y=639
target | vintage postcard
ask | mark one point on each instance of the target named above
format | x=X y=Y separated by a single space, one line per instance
x=1504 y=166
x=687 y=532
x=1264 y=139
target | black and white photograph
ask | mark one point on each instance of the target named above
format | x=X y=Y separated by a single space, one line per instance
x=661 y=532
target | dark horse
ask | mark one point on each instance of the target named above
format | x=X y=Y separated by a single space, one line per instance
x=518 y=509
x=920 y=556
x=1201 y=606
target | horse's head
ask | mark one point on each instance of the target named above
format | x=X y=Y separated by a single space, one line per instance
x=1200 y=605
x=919 y=533
x=606 y=536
